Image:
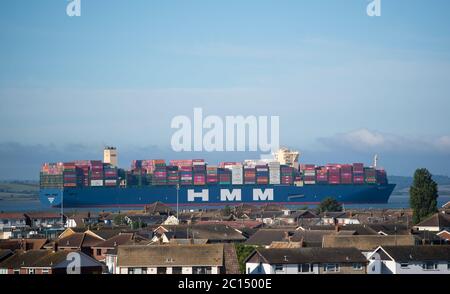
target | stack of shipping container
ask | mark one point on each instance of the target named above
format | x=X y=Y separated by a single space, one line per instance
x=262 y=174
x=274 y=173
x=159 y=175
x=212 y=177
x=196 y=172
x=334 y=174
x=224 y=176
x=322 y=175
x=51 y=175
x=199 y=172
x=173 y=177
x=370 y=175
x=85 y=167
x=237 y=174
x=346 y=174
x=72 y=175
x=110 y=175
x=358 y=173
x=309 y=174
x=96 y=173
x=249 y=175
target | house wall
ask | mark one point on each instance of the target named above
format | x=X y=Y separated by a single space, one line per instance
x=264 y=268
x=153 y=270
x=111 y=263
x=11 y=223
x=431 y=229
x=102 y=254
x=416 y=268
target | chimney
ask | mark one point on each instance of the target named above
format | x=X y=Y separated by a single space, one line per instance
x=23 y=245
x=336 y=227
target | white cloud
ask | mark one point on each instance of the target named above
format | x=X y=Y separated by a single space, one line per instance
x=365 y=140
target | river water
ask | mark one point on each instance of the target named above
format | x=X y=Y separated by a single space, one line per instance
x=395 y=202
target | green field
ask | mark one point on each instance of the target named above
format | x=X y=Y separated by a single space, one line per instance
x=16 y=190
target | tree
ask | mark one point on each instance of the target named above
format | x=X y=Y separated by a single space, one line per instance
x=119 y=220
x=227 y=210
x=242 y=252
x=329 y=204
x=423 y=195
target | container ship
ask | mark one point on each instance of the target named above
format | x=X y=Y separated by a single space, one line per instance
x=281 y=180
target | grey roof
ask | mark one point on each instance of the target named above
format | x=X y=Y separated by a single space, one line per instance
x=148 y=219
x=358 y=229
x=4 y=253
x=115 y=241
x=212 y=232
x=418 y=253
x=440 y=220
x=366 y=242
x=265 y=237
x=391 y=229
x=23 y=258
x=310 y=255
x=170 y=255
x=311 y=238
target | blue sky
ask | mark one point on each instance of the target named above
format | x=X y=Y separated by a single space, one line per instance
x=345 y=85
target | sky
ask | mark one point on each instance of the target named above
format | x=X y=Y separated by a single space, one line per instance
x=345 y=85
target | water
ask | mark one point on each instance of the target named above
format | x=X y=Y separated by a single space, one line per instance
x=395 y=202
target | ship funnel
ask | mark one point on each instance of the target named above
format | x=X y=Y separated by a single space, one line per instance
x=375 y=161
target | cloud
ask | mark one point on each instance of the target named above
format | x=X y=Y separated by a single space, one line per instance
x=364 y=140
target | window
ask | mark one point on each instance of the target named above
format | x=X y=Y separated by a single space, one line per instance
x=304 y=268
x=45 y=271
x=177 y=270
x=404 y=265
x=278 y=267
x=137 y=270
x=3 y=271
x=331 y=267
x=161 y=270
x=16 y=271
x=430 y=266
x=357 y=266
x=31 y=271
x=201 y=270
x=448 y=266
x=99 y=252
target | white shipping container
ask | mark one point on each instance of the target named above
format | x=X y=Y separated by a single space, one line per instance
x=110 y=182
x=309 y=173
x=274 y=181
x=96 y=183
x=310 y=182
x=237 y=181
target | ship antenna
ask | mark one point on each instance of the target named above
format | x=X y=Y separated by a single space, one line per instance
x=375 y=161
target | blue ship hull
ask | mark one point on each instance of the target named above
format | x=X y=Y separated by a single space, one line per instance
x=215 y=195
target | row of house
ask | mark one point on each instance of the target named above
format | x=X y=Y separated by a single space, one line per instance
x=425 y=259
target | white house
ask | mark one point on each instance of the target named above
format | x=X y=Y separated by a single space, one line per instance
x=424 y=259
x=306 y=261
x=435 y=223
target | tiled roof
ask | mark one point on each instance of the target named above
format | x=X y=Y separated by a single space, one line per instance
x=267 y=236
x=12 y=215
x=115 y=241
x=440 y=220
x=418 y=253
x=366 y=242
x=170 y=255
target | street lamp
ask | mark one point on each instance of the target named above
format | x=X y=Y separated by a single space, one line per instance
x=178 y=190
